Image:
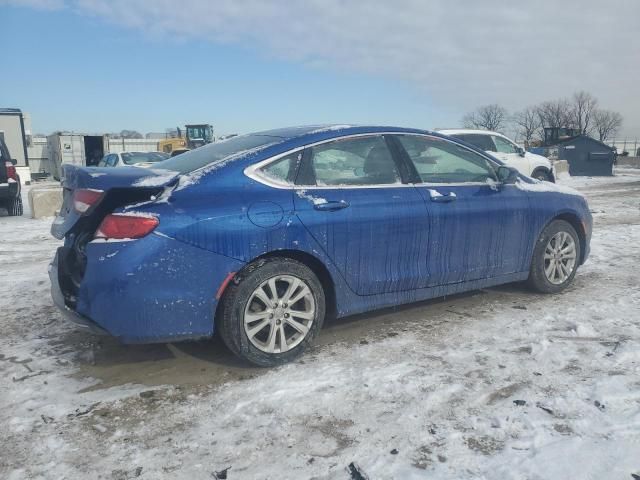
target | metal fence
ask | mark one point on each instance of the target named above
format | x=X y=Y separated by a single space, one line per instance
x=118 y=145
x=630 y=145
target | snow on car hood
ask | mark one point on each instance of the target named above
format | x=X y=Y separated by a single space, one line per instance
x=531 y=185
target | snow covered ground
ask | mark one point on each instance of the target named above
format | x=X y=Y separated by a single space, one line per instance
x=499 y=383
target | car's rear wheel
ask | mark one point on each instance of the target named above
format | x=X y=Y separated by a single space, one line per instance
x=556 y=258
x=272 y=311
x=14 y=207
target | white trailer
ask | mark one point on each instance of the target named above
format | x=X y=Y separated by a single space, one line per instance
x=75 y=148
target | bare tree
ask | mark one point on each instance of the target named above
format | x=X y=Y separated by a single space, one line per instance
x=583 y=106
x=130 y=134
x=555 y=114
x=527 y=123
x=488 y=117
x=606 y=123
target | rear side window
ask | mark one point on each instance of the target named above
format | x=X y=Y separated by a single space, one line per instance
x=483 y=142
x=283 y=170
x=354 y=162
x=440 y=161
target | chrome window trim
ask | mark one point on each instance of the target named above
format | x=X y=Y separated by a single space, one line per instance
x=253 y=171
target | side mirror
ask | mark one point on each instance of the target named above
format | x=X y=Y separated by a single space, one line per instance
x=507 y=175
x=14 y=161
x=521 y=151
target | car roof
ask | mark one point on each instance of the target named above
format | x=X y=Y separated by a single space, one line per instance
x=279 y=141
x=469 y=131
x=311 y=133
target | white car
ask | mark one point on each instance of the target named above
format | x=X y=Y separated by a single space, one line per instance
x=504 y=149
x=132 y=159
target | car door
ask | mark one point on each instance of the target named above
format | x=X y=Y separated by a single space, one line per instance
x=509 y=153
x=354 y=201
x=478 y=227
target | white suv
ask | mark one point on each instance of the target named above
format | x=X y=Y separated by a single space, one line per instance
x=504 y=149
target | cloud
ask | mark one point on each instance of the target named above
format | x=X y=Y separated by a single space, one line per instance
x=463 y=53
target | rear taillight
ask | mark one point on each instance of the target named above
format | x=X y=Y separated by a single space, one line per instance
x=86 y=198
x=11 y=171
x=119 y=226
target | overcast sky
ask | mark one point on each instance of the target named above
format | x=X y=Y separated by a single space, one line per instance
x=250 y=64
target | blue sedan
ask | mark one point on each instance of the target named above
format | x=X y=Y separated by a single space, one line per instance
x=262 y=236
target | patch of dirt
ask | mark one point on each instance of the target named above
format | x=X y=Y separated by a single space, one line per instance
x=505 y=392
x=485 y=445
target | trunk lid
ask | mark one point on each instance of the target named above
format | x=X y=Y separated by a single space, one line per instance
x=121 y=186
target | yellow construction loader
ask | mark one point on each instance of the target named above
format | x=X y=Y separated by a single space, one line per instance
x=195 y=135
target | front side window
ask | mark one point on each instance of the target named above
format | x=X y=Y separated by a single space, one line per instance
x=504 y=146
x=354 y=162
x=112 y=160
x=483 y=142
x=440 y=161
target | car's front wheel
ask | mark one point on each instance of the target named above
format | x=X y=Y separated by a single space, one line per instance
x=556 y=258
x=271 y=311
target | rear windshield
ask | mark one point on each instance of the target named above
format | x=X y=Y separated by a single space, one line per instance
x=131 y=158
x=215 y=152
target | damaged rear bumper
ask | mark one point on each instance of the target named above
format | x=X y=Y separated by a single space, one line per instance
x=151 y=290
x=60 y=299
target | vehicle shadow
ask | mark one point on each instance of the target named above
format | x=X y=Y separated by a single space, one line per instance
x=209 y=362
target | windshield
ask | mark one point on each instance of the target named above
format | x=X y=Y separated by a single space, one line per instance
x=131 y=158
x=215 y=152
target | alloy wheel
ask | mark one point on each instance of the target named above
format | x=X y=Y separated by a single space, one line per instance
x=279 y=314
x=560 y=258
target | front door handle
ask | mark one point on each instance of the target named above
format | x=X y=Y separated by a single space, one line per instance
x=331 y=206
x=440 y=198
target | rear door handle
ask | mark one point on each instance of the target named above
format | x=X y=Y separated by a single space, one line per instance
x=440 y=198
x=331 y=206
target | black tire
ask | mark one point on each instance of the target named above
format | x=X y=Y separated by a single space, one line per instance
x=230 y=315
x=542 y=174
x=14 y=207
x=537 y=277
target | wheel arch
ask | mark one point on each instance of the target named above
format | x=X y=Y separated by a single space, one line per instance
x=544 y=169
x=573 y=220
x=316 y=266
